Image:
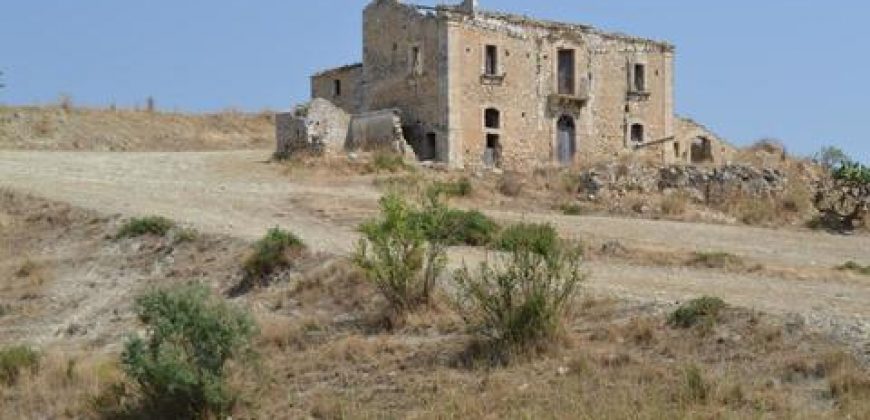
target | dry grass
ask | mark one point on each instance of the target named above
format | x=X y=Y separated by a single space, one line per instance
x=64 y=386
x=66 y=126
x=675 y=204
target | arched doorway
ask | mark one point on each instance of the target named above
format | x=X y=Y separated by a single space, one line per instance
x=702 y=150
x=566 y=140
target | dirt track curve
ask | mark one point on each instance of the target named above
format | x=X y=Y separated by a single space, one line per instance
x=238 y=193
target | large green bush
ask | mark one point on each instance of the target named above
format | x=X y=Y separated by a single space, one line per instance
x=180 y=365
x=16 y=360
x=468 y=227
x=520 y=299
x=394 y=253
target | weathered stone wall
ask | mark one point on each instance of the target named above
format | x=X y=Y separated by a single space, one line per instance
x=379 y=130
x=322 y=131
x=524 y=90
x=348 y=95
x=405 y=68
x=688 y=134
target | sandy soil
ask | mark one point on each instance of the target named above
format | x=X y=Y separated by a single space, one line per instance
x=240 y=194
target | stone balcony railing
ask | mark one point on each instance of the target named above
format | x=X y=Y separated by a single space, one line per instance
x=559 y=102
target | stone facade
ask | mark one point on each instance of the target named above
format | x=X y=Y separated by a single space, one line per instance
x=475 y=88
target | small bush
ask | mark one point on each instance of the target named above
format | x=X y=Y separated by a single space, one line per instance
x=394 y=254
x=180 y=367
x=459 y=188
x=539 y=238
x=571 y=209
x=705 y=309
x=721 y=260
x=17 y=360
x=388 y=162
x=271 y=253
x=520 y=300
x=471 y=228
x=855 y=267
x=151 y=225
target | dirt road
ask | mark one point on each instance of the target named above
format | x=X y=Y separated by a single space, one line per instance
x=238 y=193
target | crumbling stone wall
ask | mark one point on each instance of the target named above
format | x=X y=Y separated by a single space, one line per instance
x=326 y=129
x=696 y=144
x=341 y=86
x=323 y=130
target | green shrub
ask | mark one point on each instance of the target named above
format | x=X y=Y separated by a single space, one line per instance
x=520 y=300
x=392 y=162
x=855 y=267
x=151 y=225
x=571 y=209
x=719 y=260
x=852 y=172
x=459 y=188
x=180 y=366
x=394 y=254
x=539 y=238
x=16 y=360
x=471 y=228
x=705 y=309
x=271 y=253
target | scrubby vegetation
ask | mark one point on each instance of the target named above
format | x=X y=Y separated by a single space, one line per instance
x=179 y=368
x=385 y=161
x=16 y=360
x=272 y=252
x=856 y=268
x=520 y=301
x=150 y=225
x=403 y=252
x=461 y=187
x=538 y=238
x=701 y=311
x=720 y=260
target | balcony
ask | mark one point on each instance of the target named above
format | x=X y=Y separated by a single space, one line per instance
x=559 y=103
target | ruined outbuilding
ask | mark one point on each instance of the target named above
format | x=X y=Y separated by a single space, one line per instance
x=474 y=89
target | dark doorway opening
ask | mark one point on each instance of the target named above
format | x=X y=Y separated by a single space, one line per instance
x=702 y=150
x=566 y=142
x=492 y=152
x=566 y=72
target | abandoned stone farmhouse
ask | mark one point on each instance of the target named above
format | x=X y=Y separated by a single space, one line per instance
x=478 y=89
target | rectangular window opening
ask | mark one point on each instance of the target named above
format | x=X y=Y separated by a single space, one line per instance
x=491 y=61
x=566 y=72
x=637 y=133
x=639 y=78
x=416 y=61
x=336 y=87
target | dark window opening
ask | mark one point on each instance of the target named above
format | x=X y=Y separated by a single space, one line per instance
x=492 y=118
x=492 y=153
x=566 y=72
x=566 y=140
x=639 y=78
x=637 y=133
x=491 y=61
x=336 y=88
x=676 y=150
x=702 y=150
x=416 y=62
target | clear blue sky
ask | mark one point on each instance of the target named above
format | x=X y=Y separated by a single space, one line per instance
x=791 y=69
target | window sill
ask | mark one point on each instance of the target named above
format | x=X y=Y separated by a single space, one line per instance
x=638 y=95
x=492 y=79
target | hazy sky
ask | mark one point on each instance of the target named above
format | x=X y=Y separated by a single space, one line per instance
x=791 y=69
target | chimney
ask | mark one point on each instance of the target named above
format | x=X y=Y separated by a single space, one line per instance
x=470 y=6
